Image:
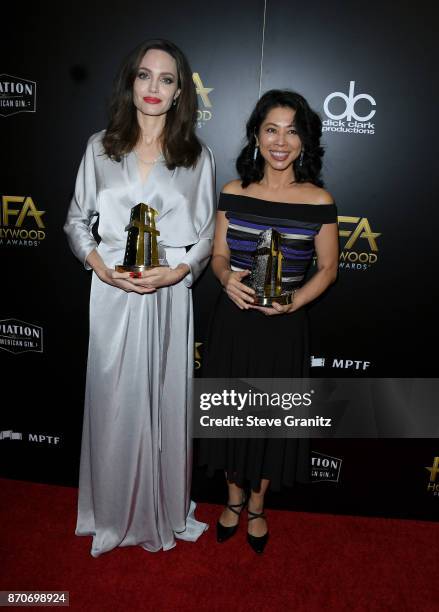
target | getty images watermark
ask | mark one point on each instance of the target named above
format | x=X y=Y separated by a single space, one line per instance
x=230 y=398
x=315 y=408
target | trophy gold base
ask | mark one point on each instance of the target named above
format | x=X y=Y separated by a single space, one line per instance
x=267 y=300
x=121 y=268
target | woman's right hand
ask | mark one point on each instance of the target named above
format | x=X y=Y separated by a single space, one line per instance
x=239 y=293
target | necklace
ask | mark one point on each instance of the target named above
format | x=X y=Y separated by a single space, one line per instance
x=148 y=163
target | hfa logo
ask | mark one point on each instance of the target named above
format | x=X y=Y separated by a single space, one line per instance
x=21 y=222
x=349 y=120
x=433 y=485
x=206 y=114
x=16 y=95
x=197 y=355
x=360 y=250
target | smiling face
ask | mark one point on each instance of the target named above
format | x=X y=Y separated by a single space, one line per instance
x=156 y=84
x=279 y=143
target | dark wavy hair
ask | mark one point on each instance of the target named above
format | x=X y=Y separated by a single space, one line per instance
x=181 y=147
x=309 y=128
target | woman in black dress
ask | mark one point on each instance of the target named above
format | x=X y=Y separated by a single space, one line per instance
x=280 y=187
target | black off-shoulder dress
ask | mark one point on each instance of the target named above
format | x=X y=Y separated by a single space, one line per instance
x=248 y=344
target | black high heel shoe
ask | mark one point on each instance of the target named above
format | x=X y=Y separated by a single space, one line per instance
x=224 y=533
x=257 y=542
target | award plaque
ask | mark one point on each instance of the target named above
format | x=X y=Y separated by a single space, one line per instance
x=266 y=273
x=141 y=252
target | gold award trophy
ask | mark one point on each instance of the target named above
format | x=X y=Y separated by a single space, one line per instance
x=141 y=252
x=266 y=273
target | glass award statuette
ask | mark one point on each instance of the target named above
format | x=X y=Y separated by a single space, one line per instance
x=266 y=273
x=141 y=252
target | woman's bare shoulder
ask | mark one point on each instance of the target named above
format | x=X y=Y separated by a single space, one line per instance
x=318 y=195
x=233 y=187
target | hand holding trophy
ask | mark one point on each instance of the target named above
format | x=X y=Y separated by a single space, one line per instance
x=266 y=273
x=141 y=251
x=142 y=262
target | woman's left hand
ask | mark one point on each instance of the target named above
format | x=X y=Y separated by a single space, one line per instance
x=162 y=276
x=275 y=309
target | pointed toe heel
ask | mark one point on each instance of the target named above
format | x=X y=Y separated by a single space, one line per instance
x=257 y=543
x=224 y=533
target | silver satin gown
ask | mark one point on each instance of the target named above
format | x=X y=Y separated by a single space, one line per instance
x=136 y=455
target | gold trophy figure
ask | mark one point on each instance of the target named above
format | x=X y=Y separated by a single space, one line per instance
x=141 y=251
x=266 y=273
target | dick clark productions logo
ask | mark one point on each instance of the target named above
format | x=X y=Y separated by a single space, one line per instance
x=343 y=112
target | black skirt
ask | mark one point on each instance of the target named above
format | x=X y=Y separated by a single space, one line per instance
x=249 y=344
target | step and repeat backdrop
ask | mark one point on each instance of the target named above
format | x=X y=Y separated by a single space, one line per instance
x=369 y=72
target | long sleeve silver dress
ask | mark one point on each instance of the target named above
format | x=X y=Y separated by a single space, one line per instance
x=136 y=454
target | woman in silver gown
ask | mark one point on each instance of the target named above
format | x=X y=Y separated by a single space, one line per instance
x=136 y=452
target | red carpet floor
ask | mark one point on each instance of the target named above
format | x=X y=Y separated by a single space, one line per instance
x=313 y=562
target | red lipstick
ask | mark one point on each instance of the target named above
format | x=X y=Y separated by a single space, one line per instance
x=151 y=100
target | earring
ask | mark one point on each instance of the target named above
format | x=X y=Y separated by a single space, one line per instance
x=174 y=102
x=255 y=152
x=301 y=157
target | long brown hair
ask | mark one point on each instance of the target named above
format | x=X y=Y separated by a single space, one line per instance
x=181 y=147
